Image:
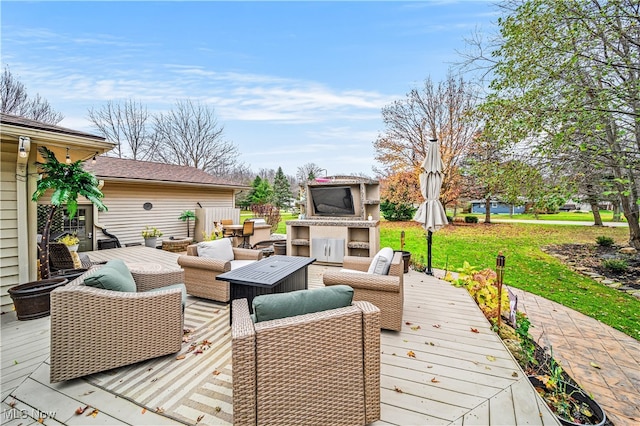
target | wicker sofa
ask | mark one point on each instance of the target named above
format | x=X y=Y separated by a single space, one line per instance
x=200 y=273
x=384 y=291
x=321 y=368
x=95 y=330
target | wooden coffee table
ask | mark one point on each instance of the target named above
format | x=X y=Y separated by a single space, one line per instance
x=275 y=274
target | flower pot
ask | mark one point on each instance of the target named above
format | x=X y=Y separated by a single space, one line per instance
x=73 y=247
x=406 y=258
x=151 y=242
x=32 y=299
x=280 y=248
x=598 y=418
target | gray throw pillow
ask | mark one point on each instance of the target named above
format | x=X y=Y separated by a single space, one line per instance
x=113 y=276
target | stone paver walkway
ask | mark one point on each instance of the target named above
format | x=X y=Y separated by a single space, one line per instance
x=579 y=342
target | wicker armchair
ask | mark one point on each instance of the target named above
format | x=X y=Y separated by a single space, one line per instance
x=314 y=369
x=384 y=291
x=200 y=273
x=95 y=330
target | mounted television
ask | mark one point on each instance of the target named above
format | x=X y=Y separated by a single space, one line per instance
x=332 y=200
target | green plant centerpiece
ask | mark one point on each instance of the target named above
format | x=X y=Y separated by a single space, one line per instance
x=187 y=216
x=68 y=181
x=151 y=232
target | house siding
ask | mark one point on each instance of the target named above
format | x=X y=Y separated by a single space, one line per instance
x=9 y=273
x=126 y=217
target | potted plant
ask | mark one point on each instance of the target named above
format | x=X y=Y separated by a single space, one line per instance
x=70 y=240
x=186 y=216
x=150 y=235
x=68 y=181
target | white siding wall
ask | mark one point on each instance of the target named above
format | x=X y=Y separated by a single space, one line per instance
x=126 y=217
x=8 y=223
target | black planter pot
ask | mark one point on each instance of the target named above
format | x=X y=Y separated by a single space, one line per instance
x=580 y=396
x=406 y=257
x=32 y=300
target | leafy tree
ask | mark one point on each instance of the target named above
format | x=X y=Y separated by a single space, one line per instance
x=68 y=182
x=566 y=77
x=15 y=100
x=187 y=216
x=281 y=190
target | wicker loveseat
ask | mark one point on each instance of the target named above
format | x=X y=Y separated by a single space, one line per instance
x=200 y=272
x=321 y=368
x=384 y=291
x=94 y=330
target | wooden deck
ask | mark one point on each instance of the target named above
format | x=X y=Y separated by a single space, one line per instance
x=436 y=370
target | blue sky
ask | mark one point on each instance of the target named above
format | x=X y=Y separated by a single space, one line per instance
x=291 y=82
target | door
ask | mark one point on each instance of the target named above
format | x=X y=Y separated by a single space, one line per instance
x=81 y=225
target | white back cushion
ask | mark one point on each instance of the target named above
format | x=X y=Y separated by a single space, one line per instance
x=381 y=262
x=216 y=249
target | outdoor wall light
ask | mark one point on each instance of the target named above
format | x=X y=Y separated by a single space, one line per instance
x=93 y=161
x=68 y=160
x=24 y=146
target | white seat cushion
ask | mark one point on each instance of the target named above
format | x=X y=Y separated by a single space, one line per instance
x=235 y=264
x=381 y=262
x=216 y=249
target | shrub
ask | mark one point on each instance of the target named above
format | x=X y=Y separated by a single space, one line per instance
x=268 y=212
x=471 y=219
x=604 y=241
x=397 y=212
x=615 y=265
x=417 y=263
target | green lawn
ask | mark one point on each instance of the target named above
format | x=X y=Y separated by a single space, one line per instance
x=527 y=266
x=607 y=216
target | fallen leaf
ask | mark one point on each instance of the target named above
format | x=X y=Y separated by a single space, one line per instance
x=217 y=409
x=159 y=410
x=200 y=417
x=199 y=351
x=15 y=362
x=88 y=393
x=94 y=413
x=415 y=328
x=434 y=380
x=183 y=356
x=40 y=420
x=491 y=358
x=405 y=340
x=514 y=374
x=397 y=389
x=594 y=365
x=429 y=366
x=216 y=372
x=430 y=343
x=411 y=354
x=408 y=323
x=81 y=410
x=13 y=403
x=216 y=311
x=144 y=410
x=436 y=325
x=474 y=330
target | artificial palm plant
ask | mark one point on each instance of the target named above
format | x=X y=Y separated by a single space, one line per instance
x=68 y=181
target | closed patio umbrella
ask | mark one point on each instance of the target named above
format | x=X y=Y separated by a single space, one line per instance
x=431 y=213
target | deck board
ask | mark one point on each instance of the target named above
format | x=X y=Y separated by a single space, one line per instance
x=456 y=377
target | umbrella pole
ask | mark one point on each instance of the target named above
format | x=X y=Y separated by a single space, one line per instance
x=429 y=271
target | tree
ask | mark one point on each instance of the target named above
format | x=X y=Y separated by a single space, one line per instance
x=441 y=111
x=189 y=135
x=128 y=125
x=16 y=101
x=261 y=191
x=68 y=182
x=567 y=75
x=281 y=190
x=186 y=216
x=308 y=172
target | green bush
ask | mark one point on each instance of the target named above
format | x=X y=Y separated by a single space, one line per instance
x=615 y=265
x=604 y=241
x=397 y=212
x=471 y=219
